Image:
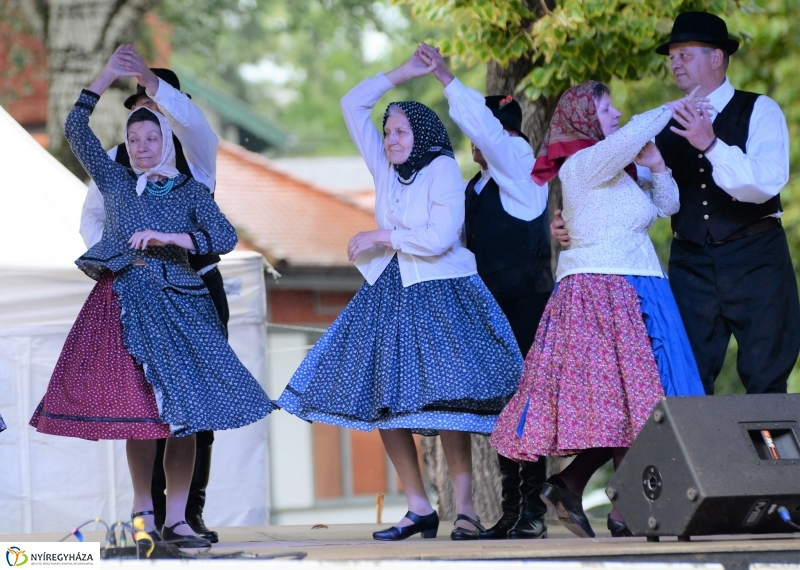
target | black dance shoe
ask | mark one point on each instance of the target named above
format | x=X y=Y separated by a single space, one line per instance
x=428 y=525
x=459 y=533
x=154 y=534
x=181 y=540
x=618 y=529
x=568 y=506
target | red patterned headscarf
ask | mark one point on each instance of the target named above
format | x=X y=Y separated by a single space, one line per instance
x=574 y=127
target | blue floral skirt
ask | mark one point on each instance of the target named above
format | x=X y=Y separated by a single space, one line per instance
x=435 y=355
x=198 y=381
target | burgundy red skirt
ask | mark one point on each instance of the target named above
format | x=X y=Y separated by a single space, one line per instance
x=97 y=390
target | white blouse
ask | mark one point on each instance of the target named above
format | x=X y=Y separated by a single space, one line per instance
x=425 y=217
x=608 y=213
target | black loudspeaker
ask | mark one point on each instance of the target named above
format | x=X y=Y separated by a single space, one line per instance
x=712 y=465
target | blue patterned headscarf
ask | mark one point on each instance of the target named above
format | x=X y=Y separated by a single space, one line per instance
x=430 y=139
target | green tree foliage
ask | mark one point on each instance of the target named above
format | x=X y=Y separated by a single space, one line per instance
x=569 y=43
x=316 y=50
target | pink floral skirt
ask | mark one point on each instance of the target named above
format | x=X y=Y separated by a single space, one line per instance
x=590 y=378
x=97 y=391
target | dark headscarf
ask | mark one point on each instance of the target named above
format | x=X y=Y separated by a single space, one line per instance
x=430 y=139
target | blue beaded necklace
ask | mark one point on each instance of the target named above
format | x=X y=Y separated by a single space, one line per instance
x=160 y=188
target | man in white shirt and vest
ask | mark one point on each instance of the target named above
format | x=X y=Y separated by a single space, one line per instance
x=196 y=157
x=729 y=266
x=506 y=228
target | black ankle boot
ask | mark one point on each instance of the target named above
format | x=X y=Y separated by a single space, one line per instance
x=509 y=479
x=531 y=523
x=197 y=494
x=158 y=485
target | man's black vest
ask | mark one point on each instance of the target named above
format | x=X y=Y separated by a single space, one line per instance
x=707 y=211
x=197 y=262
x=513 y=255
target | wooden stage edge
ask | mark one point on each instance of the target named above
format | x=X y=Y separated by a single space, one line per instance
x=354 y=543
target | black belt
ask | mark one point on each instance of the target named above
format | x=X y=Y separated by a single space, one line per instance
x=763 y=225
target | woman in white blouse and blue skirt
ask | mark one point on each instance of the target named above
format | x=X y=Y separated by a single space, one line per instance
x=423 y=346
x=611 y=342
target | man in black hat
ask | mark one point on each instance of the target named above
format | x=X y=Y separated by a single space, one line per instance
x=196 y=157
x=729 y=265
x=506 y=228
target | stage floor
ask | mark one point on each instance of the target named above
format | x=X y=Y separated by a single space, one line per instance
x=354 y=542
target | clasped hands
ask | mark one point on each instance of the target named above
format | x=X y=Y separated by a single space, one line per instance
x=126 y=62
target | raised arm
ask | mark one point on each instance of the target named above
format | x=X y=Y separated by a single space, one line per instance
x=188 y=122
x=608 y=157
x=357 y=105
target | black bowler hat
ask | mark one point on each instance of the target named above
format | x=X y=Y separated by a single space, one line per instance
x=166 y=74
x=699 y=27
x=507 y=111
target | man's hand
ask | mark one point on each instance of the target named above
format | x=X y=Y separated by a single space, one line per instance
x=693 y=115
x=558 y=229
x=134 y=65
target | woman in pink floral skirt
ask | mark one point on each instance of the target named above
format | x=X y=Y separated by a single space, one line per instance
x=611 y=342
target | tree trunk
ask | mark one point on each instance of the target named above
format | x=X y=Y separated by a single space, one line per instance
x=485 y=471
x=80 y=36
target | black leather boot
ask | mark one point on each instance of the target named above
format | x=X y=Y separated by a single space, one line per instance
x=531 y=522
x=197 y=494
x=509 y=478
x=158 y=485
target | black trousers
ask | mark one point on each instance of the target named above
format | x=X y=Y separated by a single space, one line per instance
x=524 y=314
x=745 y=287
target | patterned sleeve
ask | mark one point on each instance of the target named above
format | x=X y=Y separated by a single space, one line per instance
x=214 y=233
x=606 y=159
x=86 y=147
x=664 y=194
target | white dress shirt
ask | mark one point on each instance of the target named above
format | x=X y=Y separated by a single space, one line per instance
x=425 y=217
x=761 y=173
x=608 y=213
x=510 y=159
x=199 y=146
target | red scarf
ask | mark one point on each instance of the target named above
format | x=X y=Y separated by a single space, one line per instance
x=574 y=127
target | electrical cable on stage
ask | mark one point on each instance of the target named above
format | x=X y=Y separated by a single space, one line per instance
x=147 y=547
x=787 y=517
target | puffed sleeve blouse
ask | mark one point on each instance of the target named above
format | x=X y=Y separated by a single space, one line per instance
x=607 y=213
x=425 y=217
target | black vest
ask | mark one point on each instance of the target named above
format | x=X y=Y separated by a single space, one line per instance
x=513 y=255
x=707 y=211
x=197 y=262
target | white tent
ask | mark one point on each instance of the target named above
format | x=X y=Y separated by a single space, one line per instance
x=50 y=483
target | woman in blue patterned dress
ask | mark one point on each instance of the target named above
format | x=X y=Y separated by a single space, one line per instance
x=423 y=346
x=147 y=357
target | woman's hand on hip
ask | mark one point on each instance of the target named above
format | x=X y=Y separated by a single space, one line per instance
x=363 y=241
